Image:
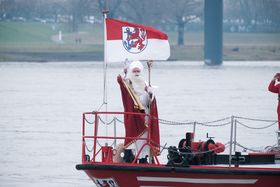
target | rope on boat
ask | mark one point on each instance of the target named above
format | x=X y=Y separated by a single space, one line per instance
x=195 y=153
x=215 y=121
x=218 y=125
x=89 y=150
x=252 y=119
x=167 y=122
x=274 y=148
x=175 y=123
x=207 y=123
x=118 y=120
x=256 y=127
x=108 y=123
x=102 y=121
x=247 y=148
x=88 y=122
x=99 y=144
x=229 y=120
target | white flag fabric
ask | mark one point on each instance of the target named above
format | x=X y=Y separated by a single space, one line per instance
x=132 y=41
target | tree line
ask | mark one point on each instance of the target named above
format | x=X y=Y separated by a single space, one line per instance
x=168 y=15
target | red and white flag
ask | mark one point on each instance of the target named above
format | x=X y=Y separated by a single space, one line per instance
x=134 y=42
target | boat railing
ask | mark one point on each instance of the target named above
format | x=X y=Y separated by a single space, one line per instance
x=102 y=145
x=103 y=135
x=238 y=122
x=234 y=123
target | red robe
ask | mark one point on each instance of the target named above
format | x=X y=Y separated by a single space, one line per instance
x=275 y=88
x=135 y=124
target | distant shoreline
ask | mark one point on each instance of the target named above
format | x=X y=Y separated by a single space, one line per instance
x=49 y=56
x=37 y=42
x=185 y=53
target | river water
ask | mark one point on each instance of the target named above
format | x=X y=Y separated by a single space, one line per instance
x=41 y=106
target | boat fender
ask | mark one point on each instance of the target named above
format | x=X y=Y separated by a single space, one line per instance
x=219 y=147
x=118 y=153
x=210 y=145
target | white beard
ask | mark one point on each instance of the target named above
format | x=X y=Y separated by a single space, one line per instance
x=138 y=84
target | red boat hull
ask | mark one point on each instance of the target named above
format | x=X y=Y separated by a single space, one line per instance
x=194 y=176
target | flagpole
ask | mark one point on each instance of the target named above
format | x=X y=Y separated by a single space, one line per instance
x=105 y=95
x=105 y=12
x=149 y=64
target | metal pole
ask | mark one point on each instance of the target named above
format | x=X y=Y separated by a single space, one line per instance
x=95 y=136
x=213 y=32
x=194 y=127
x=149 y=64
x=105 y=12
x=235 y=132
x=230 y=141
x=105 y=95
x=278 y=138
x=83 y=140
x=115 y=132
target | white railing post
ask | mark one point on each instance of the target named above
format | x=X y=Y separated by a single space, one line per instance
x=235 y=132
x=230 y=141
x=194 y=127
x=115 y=131
x=278 y=137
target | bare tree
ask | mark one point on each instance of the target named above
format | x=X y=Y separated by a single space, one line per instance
x=273 y=14
x=78 y=9
x=258 y=15
x=6 y=8
x=182 y=12
x=138 y=11
x=160 y=13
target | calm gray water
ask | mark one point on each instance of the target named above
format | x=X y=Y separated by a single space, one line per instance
x=41 y=106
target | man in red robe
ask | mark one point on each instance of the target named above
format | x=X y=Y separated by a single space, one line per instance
x=137 y=97
x=274 y=87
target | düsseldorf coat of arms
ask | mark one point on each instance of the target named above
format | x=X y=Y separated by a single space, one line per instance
x=134 y=39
